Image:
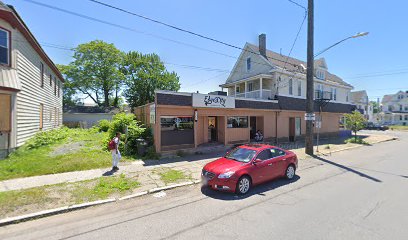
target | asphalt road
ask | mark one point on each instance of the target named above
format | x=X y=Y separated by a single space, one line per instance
x=356 y=194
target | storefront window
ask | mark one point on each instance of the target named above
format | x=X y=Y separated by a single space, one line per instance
x=237 y=122
x=177 y=130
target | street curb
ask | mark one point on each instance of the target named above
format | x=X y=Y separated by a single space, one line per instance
x=153 y=190
x=55 y=211
x=49 y=212
x=344 y=149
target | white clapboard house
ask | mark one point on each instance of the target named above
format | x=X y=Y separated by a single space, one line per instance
x=30 y=84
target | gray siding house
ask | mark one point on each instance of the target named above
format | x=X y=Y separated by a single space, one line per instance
x=30 y=84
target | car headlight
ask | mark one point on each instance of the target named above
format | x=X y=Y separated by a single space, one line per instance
x=226 y=174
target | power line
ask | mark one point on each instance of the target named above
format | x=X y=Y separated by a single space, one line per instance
x=178 y=28
x=379 y=75
x=145 y=33
x=294 y=41
x=204 y=81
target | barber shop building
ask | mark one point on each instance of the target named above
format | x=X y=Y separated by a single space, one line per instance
x=265 y=92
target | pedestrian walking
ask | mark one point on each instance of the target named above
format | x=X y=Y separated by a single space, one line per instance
x=114 y=147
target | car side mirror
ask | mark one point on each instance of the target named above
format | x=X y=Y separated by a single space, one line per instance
x=257 y=161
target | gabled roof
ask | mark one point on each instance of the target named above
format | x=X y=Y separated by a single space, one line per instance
x=10 y=15
x=296 y=65
x=358 y=96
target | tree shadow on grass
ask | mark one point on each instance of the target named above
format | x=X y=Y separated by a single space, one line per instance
x=256 y=190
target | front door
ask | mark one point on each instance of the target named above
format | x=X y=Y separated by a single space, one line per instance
x=292 y=129
x=212 y=129
x=262 y=170
x=252 y=130
x=278 y=161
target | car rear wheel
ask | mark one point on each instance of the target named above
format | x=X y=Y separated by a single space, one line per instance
x=290 y=172
x=243 y=185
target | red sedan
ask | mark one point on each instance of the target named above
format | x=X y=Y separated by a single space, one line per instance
x=249 y=165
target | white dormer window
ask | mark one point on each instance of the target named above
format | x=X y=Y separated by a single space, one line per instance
x=248 y=64
x=320 y=75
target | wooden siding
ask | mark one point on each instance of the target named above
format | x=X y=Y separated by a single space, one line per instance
x=32 y=94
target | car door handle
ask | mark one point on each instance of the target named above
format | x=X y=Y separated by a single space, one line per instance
x=284 y=159
x=270 y=164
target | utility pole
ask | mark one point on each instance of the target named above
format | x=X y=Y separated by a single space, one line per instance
x=309 y=80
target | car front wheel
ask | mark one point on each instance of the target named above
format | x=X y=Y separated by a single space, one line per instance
x=243 y=185
x=290 y=172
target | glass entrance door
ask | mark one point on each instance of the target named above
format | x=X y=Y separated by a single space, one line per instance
x=212 y=129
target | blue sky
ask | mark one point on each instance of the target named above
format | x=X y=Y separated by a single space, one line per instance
x=380 y=55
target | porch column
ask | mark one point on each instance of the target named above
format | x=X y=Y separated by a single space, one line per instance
x=260 y=88
x=245 y=89
x=235 y=90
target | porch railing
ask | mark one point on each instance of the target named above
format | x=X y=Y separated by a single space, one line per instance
x=256 y=94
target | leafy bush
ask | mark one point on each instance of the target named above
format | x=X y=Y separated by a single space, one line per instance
x=356 y=140
x=47 y=137
x=119 y=123
x=104 y=125
x=151 y=153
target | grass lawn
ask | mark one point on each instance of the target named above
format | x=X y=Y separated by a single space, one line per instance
x=36 y=199
x=171 y=175
x=81 y=150
x=399 y=127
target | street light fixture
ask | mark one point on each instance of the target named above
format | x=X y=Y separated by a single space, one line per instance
x=360 y=34
x=310 y=77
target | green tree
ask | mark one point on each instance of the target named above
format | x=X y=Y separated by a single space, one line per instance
x=95 y=72
x=376 y=107
x=68 y=92
x=144 y=74
x=355 y=122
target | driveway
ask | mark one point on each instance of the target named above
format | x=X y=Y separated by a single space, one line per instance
x=356 y=194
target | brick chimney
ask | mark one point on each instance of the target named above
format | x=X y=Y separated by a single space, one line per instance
x=262 y=44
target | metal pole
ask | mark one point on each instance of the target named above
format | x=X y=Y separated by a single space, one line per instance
x=309 y=80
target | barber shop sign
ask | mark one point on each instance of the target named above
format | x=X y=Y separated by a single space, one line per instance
x=213 y=101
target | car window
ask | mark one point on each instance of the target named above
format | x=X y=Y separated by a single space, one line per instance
x=241 y=154
x=264 y=155
x=276 y=152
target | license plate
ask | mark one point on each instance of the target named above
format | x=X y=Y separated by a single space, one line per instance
x=204 y=181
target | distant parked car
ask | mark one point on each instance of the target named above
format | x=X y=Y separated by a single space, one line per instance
x=373 y=126
x=249 y=165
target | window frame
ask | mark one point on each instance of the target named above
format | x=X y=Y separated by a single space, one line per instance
x=8 y=47
x=250 y=86
x=299 y=88
x=237 y=119
x=55 y=86
x=290 y=86
x=248 y=64
x=42 y=74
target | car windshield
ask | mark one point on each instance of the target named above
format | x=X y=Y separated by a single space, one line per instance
x=241 y=154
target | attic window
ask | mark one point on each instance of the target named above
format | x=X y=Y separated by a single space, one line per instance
x=320 y=75
x=4 y=47
x=248 y=64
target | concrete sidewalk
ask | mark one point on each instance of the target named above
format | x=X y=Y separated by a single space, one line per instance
x=143 y=169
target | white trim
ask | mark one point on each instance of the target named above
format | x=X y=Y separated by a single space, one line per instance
x=262 y=75
x=303 y=77
x=256 y=100
x=173 y=93
x=247 y=45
